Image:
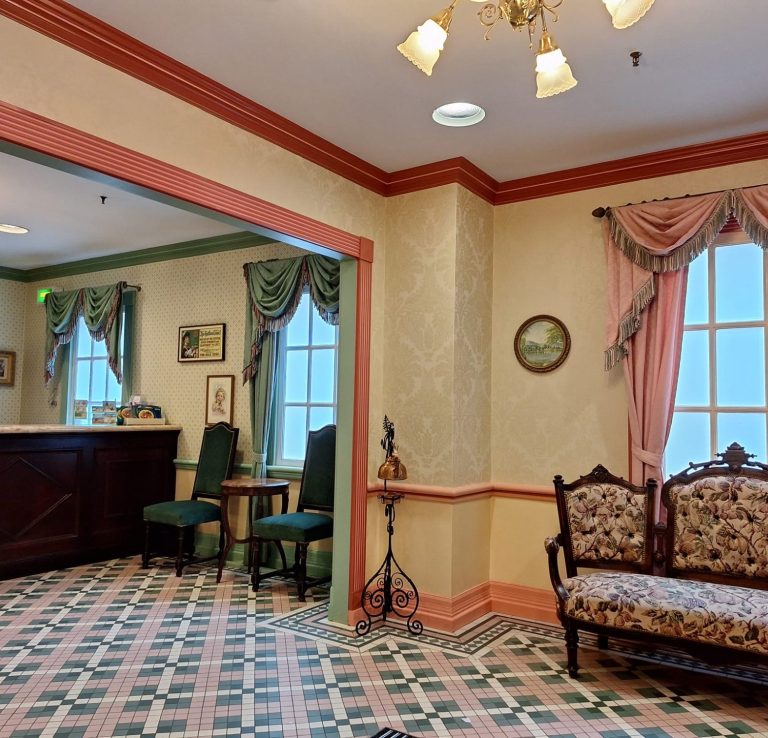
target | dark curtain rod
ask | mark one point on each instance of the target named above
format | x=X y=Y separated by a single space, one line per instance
x=602 y=211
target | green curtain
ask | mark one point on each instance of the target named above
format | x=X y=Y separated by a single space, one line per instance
x=274 y=292
x=100 y=308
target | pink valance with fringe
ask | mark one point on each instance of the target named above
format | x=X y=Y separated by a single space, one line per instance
x=657 y=237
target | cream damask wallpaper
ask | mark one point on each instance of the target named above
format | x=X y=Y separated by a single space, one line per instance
x=192 y=291
x=472 y=350
x=12 y=302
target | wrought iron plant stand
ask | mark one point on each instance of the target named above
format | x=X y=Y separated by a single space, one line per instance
x=390 y=590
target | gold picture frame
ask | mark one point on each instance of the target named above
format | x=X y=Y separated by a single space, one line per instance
x=542 y=343
x=201 y=342
x=7 y=367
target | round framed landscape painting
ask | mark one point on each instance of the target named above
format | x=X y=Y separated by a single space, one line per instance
x=542 y=343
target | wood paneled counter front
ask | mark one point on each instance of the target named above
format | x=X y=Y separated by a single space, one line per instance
x=74 y=494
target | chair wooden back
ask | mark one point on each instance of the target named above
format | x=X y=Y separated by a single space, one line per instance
x=318 y=481
x=217 y=457
x=606 y=522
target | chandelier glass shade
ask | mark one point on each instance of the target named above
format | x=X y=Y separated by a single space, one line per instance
x=553 y=74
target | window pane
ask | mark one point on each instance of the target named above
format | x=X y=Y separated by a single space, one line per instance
x=83 y=339
x=693 y=384
x=295 y=433
x=323 y=334
x=297 y=331
x=99 y=348
x=99 y=380
x=741 y=367
x=320 y=416
x=697 y=296
x=322 y=375
x=748 y=429
x=739 y=283
x=296 y=376
x=114 y=392
x=688 y=441
x=83 y=380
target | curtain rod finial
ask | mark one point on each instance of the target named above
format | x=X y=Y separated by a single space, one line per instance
x=599 y=212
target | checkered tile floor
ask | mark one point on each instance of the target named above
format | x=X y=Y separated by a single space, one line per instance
x=111 y=650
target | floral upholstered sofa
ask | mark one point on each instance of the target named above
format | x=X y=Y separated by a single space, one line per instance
x=712 y=552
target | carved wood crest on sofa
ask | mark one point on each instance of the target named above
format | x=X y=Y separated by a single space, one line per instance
x=698 y=582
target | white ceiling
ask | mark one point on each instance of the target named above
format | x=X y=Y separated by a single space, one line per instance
x=67 y=221
x=331 y=67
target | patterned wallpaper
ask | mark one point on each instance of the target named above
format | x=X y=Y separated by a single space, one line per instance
x=472 y=350
x=419 y=339
x=192 y=291
x=12 y=296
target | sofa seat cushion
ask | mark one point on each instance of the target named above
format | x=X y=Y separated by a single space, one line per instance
x=182 y=513
x=301 y=527
x=736 y=617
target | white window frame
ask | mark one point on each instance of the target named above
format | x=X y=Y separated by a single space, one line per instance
x=283 y=349
x=711 y=327
x=74 y=362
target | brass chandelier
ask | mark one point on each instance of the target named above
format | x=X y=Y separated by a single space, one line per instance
x=553 y=74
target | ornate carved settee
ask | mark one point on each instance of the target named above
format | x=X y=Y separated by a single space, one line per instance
x=712 y=553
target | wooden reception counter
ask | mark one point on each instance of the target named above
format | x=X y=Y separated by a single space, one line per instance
x=75 y=494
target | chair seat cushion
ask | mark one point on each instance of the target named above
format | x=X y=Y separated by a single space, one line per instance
x=736 y=617
x=300 y=527
x=182 y=513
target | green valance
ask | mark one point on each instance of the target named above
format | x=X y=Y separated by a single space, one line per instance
x=100 y=308
x=274 y=292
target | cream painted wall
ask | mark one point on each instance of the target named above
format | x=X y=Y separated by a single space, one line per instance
x=548 y=258
x=12 y=296
x=191 y=291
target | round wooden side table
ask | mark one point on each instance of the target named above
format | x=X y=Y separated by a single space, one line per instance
x=261 y=489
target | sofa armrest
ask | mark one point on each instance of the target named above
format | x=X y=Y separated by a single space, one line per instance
x=552 y=547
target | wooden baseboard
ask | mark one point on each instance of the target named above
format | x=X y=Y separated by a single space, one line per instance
x=450 y=614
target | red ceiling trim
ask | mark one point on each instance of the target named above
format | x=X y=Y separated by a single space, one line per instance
x=79 y=30
x=451 y=171
x=645 y=166
x=37 y=133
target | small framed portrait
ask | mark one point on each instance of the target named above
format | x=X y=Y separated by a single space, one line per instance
x=219 y=398
x=7 y=367
x=542 y=343
x=201 y=342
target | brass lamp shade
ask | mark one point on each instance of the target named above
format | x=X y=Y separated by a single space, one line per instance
x=393 y=469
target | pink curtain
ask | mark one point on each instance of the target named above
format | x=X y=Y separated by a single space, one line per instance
x=651 y=370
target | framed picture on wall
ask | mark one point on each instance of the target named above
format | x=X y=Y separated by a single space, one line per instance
x=219 y=398
x=7 y=367
x=542 y=343
x=201 y=342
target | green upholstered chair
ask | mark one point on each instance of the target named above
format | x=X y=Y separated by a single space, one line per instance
x=302 y=527
x=214 y=465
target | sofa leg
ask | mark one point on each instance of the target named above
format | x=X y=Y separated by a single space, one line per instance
x=602 y=641
x=572 y=647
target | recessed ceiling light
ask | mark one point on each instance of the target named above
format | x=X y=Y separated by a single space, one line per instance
x=7 y=228
x=458 y=114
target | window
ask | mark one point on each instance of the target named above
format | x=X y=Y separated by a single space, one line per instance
x=92 y=393
x=721 y=392
x=306 y=382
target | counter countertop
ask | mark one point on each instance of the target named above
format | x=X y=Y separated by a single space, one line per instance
x=86 y=428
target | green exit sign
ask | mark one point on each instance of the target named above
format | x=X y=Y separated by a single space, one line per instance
x=42 y=293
